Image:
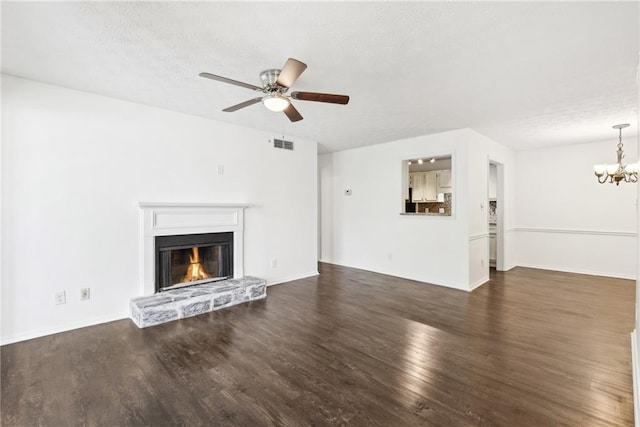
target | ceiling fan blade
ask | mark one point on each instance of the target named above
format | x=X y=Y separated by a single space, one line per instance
x=242 y=105
x=230 y=81
x=321 y=97
x=290 y=72
x=292 y=113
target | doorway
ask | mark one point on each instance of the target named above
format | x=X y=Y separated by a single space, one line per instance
x=495 y=215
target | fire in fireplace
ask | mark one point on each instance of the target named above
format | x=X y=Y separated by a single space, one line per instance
x=191 y=259
x=195 y=270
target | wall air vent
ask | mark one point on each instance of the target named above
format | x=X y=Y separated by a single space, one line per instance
x=281 y=143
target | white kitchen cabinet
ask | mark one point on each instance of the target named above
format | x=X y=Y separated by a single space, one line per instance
x=492 y=246
x=416 y=182
x=430 y=192
x=444 y=181
x=425 y=186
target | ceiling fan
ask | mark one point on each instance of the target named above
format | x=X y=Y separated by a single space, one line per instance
x=275 y=84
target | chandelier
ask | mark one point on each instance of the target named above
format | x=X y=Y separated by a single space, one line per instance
x=619 y=171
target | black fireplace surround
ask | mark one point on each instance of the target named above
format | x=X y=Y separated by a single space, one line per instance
x=191 y=259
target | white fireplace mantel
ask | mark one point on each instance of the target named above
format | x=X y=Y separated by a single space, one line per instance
x=166 y=219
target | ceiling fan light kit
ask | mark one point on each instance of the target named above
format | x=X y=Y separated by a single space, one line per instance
x=275 y=84
x=276 y=102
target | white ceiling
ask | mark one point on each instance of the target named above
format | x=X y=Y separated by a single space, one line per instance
x=525 y=74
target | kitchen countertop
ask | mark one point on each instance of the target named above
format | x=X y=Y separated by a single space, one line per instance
x=423 y=214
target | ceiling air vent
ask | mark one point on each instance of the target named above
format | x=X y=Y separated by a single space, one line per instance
x=281 y=143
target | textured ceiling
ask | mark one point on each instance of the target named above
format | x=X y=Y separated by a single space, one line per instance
x=525 y=74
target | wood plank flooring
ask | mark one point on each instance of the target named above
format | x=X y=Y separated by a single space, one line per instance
x=350 y=347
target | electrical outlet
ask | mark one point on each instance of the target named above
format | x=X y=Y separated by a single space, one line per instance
x=220 y=169
x=85 y=294
x=274 y=263
x=61 y=298
x=482 y=262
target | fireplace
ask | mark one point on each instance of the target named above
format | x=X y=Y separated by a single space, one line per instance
x=184 y=244
x=192 y=259
x=187 y=221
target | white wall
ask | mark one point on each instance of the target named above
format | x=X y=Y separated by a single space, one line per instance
x=569 y=222
x=368 y=231
x=74 y=166
x=553 y=213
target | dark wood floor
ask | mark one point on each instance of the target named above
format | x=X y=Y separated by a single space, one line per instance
x=531 y=348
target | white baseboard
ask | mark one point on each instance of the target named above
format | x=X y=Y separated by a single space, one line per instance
x=509 y=267
x=576 y=270
x=636 y=372
x=478 y=283
x=291 y=278
x=69 y=326
x=462 y=287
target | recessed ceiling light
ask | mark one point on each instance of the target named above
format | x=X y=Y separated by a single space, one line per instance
x=419 y=161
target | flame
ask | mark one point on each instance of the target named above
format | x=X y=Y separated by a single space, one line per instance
x=195 y=271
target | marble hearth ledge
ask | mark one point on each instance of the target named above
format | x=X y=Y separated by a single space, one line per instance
x=186 y=302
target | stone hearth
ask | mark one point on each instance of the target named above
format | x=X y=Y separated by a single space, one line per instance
x=186 y=302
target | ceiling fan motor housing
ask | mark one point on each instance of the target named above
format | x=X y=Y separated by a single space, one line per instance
x=269 y=78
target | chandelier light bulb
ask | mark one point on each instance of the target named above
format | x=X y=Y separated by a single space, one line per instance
x=600 y=169
x=633 y=168
x=612 y=169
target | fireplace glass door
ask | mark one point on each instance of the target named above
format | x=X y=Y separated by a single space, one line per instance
x=193 y=259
